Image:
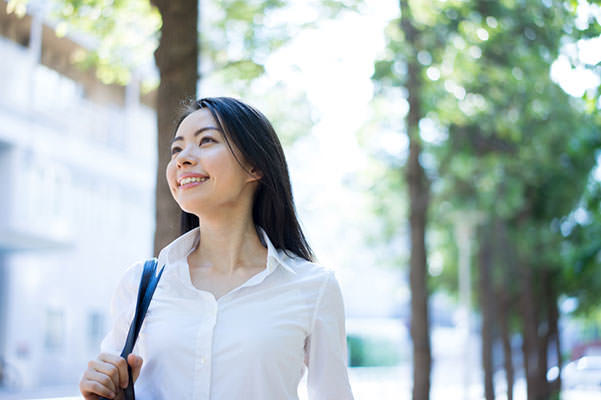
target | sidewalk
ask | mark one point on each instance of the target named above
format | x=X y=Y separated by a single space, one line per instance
x=362 y=391
x=54 y=392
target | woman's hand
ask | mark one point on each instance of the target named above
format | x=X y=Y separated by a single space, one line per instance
x=107 y=376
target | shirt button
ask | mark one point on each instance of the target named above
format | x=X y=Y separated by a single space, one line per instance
x=202 y=360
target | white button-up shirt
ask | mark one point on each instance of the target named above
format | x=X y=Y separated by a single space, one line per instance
x=253 y=343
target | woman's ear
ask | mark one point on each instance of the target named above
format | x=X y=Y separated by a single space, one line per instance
x=256 y=174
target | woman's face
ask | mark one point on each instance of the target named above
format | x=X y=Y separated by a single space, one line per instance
x=199 y=150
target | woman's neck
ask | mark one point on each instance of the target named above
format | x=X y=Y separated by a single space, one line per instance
x=227 y=246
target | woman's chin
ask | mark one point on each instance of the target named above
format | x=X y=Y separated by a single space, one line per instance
x=191 y=207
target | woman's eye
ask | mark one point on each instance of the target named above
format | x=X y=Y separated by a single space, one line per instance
x=175 y=150
x=206 y=139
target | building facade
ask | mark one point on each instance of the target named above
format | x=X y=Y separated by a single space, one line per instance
x=77 y=178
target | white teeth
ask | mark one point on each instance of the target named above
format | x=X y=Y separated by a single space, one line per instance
x=191 y=179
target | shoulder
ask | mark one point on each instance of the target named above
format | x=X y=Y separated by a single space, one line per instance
x=319 y=277
x=132 y=273
x=326 y=294
x=309 y=269
x=128 y=282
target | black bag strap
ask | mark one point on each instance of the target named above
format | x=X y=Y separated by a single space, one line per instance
x=148 y=284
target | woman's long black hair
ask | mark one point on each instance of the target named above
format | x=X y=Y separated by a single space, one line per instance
x=254 y=136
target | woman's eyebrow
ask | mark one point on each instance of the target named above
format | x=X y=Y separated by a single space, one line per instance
x=198 y=132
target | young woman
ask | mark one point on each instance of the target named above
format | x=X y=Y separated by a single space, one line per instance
x=241 y=308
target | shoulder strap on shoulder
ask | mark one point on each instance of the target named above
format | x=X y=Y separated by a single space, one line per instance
x=148 y=283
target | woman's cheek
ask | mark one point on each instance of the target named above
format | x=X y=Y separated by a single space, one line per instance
x=170 y=176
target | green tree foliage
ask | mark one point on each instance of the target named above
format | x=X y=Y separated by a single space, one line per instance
x=582 y=251
x=502 y=138
x=581 y=248
x=120 y=35
x=235 y=36
x=577 y=42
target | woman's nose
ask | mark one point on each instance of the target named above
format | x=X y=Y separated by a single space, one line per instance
x=186 y=156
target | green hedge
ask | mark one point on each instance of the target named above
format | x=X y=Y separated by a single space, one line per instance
x=373 y=352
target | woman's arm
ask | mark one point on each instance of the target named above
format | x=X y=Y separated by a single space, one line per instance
x=108 y=374
x=123 y=307
x=326 y=349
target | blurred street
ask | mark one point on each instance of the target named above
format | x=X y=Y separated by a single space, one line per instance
x=445 y=159
x=390 y=383
x=367 y=384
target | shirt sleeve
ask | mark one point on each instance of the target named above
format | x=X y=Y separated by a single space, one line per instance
x=326 y=349
x=123 y=304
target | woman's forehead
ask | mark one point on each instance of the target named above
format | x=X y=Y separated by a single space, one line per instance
x=198 y=119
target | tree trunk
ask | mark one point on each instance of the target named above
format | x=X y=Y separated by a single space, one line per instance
x=554 y=324
x=543 y=346
x=487 y=309
x=546 y=330
x=177 y=61
x=504 y=312
x=531 y=344
x=418 y=202
x=505 y=305
x=544 y=333
x=552 y=333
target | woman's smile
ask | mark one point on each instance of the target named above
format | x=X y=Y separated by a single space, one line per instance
x=190 y=180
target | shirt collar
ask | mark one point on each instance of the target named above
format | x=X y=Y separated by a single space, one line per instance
x=276 y=254
x=184 y=244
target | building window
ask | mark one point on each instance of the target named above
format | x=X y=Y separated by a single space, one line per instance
x=55 y=329
x=95 y=328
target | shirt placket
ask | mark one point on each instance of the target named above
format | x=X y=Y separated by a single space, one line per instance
x=206 y=329
x=203 y=346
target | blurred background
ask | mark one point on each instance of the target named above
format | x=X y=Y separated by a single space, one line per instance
x=444 y=157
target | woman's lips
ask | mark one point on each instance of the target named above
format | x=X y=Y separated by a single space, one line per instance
x=190 y=182
x=190 y=185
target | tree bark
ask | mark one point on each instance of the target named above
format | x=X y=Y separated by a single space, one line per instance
x=552 y=332
x=177 y=61
x=554 y=324
x=506 y=300
x=487 y=310
x=504 y=312
x=418 y=203
x=531 y=347
x=544 y=333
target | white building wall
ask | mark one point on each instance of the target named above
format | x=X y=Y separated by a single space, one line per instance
x=76 y=209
